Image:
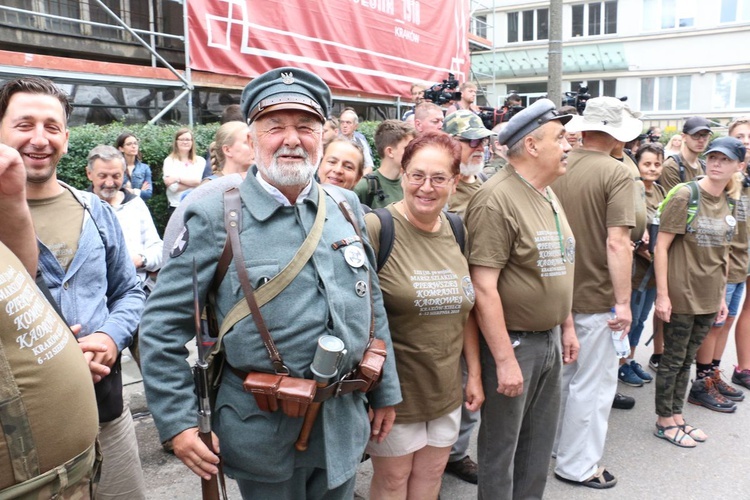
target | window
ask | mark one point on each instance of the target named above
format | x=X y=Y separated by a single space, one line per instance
x=594 y=18
x=735 y=10
x=479 y=26
x=597 y=88
x=665 y=93
x=534 y=25
x=731 y=91
x=668 y=14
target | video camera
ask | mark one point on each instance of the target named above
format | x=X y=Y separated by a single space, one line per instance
x=441 y=93
x=577 y=99
x=492 y=116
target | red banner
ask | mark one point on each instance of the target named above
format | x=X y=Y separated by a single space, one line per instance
x=373 y=46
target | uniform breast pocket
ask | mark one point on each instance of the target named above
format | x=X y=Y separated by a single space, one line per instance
x=259 y=271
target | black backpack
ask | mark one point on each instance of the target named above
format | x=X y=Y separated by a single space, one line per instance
x=388 y=235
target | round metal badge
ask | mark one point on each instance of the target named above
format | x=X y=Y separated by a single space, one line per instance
x=354 y=256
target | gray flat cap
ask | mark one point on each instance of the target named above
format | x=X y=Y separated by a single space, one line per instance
x=526 y=121
x=285 y=88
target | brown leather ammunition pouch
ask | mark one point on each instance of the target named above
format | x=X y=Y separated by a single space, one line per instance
x=370 y=369
x=270 y=390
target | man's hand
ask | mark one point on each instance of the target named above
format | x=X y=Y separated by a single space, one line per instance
x=509 y=378
x=570 y=345
x=194 y=453
x=474 y=393
x=381 y=423
x=623 y=319
x=100 y=352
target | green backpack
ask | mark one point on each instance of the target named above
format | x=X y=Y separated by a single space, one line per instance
x=693 y=204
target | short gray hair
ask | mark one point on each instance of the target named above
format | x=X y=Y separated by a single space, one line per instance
x=105 y=153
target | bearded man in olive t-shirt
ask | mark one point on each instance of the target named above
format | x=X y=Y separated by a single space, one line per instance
x=521 y=252
x=598 y=197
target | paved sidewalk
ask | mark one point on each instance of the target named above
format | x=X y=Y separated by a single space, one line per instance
x=646 y=467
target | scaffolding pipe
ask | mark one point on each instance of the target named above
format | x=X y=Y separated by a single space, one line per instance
x=169 y=106
x=187 y=58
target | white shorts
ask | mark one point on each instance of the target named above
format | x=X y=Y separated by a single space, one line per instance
x=408 y=438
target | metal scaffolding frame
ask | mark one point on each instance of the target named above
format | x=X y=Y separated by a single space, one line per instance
x=185 y=82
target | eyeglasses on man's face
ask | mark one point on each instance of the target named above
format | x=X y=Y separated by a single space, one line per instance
x=474 y=143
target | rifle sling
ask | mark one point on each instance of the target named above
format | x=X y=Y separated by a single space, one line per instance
x=252 y=301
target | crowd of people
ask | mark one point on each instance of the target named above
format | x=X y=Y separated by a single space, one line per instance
x=349 y=310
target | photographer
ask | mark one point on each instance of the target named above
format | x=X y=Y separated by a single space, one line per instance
x=468 y=92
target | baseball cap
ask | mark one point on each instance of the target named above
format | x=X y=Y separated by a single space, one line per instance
x=695 y=124
x=733 y=148
x=465 y=124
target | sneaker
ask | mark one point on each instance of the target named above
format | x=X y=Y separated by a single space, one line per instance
x=653 y=361
x=705 y=393
x=741 y=377
x=626 y=375
x=623 y=402
x=725 y=389
x=465 y=469
x=640 y=372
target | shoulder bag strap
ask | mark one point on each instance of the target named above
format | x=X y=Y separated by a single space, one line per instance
x=387 y=235
x=278 y=283
x=346 y=209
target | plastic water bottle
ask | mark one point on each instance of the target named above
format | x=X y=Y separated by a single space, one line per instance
x=622 y=346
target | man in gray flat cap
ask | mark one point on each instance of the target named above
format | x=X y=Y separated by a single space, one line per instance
x=284 y=218
x=598 y=196
x=521 y=252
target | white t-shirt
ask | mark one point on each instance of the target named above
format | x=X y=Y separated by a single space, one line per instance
x=184 y=170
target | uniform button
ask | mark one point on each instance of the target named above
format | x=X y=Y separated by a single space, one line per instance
x=65 y=285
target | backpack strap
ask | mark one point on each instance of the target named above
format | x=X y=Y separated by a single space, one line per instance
x=387 y=235
x=457 y=226
x=693 y=203
x=374 y=190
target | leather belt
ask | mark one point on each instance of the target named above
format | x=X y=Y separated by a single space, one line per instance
x=343 y=386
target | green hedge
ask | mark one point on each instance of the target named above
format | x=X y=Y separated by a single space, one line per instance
x=155 y=145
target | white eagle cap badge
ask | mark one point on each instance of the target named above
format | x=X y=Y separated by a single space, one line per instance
x=287 y=78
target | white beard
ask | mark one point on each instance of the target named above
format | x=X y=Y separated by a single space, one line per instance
x=473 y=168
x=298 y=175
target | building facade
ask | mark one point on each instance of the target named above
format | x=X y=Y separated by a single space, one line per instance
x=670 y=58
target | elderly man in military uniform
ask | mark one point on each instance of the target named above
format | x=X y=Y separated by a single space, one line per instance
x=334 y=293
x=521 y=252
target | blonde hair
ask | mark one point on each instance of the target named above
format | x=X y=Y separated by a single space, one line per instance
x=224 y=137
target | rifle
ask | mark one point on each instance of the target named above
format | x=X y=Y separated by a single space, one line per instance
x=214 y=488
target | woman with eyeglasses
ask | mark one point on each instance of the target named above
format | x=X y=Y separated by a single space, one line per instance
x=137 y=174
x=183 y=169
x=428 y=297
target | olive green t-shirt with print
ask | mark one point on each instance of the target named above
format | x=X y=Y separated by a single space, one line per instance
x=43 y=370
x=697 y=260
x=596 y=193
x=391 y=191
x=670 y=174
x=428 y=296
x=524 y=233
x=58 y=221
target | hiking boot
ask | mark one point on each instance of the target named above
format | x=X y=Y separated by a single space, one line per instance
x=626 y=375
x=623 y=402
x=705 y=393
x=653 y=361
x=465 y=469
x=725 y=389
x=640 y=372
x=741 y=377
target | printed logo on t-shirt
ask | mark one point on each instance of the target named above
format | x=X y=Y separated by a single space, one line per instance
x=551 y=262
x=437 y=292
x=711 y=232
x=38 y=329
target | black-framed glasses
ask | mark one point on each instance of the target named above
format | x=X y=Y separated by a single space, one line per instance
x=418 y=178
x=473 y=143
x=699 y=136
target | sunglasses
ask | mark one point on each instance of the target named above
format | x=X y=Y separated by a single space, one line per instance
x=474 y=143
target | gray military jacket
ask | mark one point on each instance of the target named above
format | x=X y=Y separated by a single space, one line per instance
x=321 y=300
